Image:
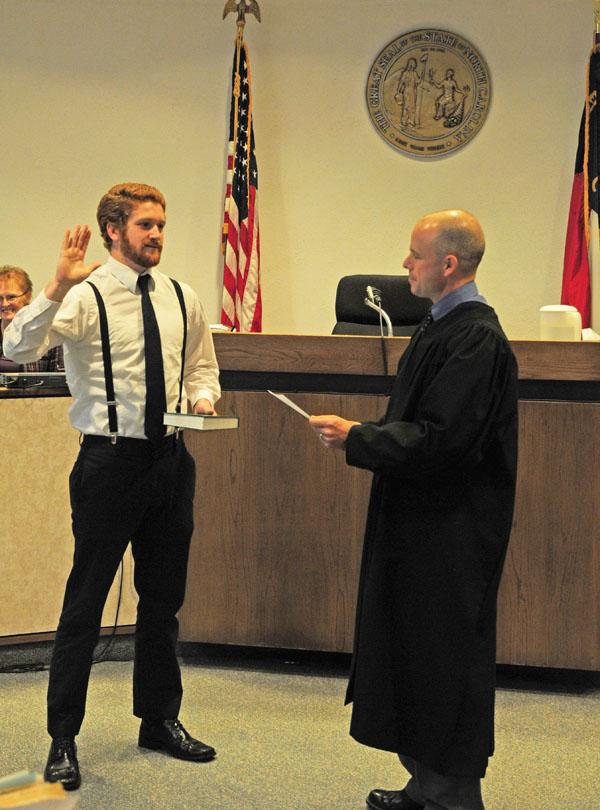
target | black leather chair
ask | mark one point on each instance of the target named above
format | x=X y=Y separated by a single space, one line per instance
x=354 y=317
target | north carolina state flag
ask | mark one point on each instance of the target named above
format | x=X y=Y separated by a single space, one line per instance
x=581 y=268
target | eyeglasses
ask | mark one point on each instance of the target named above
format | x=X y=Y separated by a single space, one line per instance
x=10 y=298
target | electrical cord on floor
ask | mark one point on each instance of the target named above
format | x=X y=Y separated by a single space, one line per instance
x=40 y=666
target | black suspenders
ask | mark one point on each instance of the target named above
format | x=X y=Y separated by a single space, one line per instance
x=181 y=299
x=106 y=357
x=108 y=375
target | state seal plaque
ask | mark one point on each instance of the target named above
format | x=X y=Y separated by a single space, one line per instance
x=428 y=92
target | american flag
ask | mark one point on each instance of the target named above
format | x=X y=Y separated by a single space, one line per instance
x=242 y=305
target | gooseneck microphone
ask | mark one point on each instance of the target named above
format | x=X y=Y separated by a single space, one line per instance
x=374 y=295
x=373 y=300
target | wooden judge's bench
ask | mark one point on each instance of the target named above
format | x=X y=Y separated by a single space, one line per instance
x=279 y=519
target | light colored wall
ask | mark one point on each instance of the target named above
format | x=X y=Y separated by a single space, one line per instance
x=95 y=93
x=35 y=519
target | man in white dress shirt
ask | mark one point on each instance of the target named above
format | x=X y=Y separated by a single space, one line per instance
x=148 y=339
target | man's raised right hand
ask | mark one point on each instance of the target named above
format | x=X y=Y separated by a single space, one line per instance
x=70 y=269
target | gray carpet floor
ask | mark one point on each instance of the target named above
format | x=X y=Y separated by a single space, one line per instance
x=281 y=731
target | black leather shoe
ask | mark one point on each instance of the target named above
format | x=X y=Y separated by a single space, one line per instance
x=62 y=765
x=170 y=736
x=392 y=800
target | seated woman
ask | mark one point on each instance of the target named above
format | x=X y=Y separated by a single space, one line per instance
x=15 y=293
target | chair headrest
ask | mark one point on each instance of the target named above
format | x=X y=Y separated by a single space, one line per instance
x=403 y=308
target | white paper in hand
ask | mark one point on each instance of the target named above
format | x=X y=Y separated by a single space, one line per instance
x=287 y=401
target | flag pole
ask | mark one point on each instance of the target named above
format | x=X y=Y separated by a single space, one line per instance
x=240 y=243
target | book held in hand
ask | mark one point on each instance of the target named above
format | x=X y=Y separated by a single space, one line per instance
x=201 y=421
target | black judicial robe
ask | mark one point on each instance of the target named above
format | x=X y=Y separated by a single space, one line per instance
x=440 y=514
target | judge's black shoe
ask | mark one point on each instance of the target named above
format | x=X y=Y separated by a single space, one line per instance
x=62 y=765
x=392 y=800
x=170 y=736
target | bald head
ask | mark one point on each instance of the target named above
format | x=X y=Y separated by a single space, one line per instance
x=445 y=249
x=456 y=233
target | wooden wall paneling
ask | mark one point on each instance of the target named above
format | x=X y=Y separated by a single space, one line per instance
x=279 y=527
x=335 y=354
x=557 y=360
x=279 y=519
x=549 y=607
x=317 y=354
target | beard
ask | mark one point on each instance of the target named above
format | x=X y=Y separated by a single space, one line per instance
x=140 y=258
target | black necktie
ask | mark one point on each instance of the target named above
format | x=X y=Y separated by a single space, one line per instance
x=156 y=401
x=425 y=323
x=421 y=329
x=417 y=335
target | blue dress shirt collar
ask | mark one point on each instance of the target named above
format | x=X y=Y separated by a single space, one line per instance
x=468 y=292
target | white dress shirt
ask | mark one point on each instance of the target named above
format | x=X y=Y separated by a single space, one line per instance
x=75 y=323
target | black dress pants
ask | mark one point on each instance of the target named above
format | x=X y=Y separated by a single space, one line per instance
x=135 y=492
x=438 y=792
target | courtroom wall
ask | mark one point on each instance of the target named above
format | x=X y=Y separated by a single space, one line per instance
x=94 y=93
x=38 y=449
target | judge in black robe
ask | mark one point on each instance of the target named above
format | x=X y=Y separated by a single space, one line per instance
x=440 y=514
